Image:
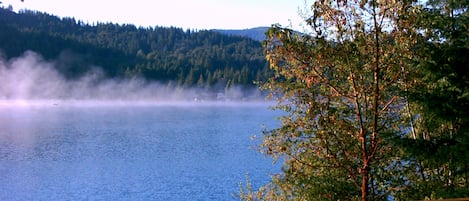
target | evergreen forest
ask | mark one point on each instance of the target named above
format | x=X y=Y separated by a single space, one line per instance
x=375 y=96
x=180 y=58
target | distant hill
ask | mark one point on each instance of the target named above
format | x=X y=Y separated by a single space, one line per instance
x=205 y=59
x=257 y=33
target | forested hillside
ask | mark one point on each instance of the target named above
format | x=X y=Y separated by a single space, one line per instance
x=170 y=55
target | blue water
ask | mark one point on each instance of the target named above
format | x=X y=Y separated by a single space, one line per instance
x=140 y=152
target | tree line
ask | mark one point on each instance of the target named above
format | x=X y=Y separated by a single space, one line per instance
x=182 y=58
x=376 y=100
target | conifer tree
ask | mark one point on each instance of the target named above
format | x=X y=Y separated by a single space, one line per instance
x=438 y=146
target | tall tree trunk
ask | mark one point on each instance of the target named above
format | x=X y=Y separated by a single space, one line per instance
x=365 y=176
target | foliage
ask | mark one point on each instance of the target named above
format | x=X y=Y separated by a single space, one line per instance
x=376 y=100
x=341 y=86
x=170 y=55
x=438 y=146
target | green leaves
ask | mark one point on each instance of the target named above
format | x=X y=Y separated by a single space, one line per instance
x=344 y=95
x=377 y=102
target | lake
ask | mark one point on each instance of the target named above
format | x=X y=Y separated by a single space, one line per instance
x=131 y=151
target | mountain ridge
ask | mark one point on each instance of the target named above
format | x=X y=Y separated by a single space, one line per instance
x=255 y=33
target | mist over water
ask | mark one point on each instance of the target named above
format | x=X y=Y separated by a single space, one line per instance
x=30 y=79
x=131 y=153
x=96 y=152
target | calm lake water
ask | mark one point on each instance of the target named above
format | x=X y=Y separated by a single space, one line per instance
x=137 y=152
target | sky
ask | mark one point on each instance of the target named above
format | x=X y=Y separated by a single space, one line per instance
x=187 y=14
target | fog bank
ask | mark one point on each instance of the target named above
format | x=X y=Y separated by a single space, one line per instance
x=30 y=78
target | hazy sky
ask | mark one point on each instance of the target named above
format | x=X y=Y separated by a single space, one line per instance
x=198 y=14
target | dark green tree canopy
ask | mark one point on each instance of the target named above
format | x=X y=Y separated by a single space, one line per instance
x=166 y=54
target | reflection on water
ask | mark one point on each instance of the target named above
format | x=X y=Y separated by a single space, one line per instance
x=140 y=152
